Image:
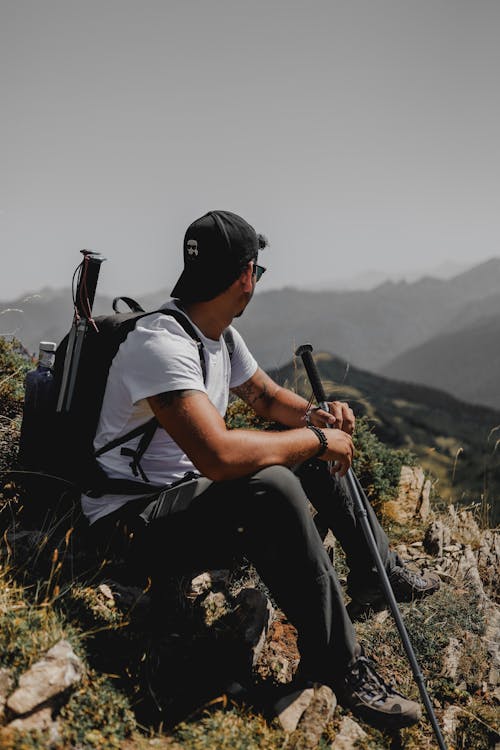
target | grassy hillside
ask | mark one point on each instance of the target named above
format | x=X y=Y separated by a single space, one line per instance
x=454 y=440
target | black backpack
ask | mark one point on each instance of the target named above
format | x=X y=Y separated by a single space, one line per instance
x=64 y=446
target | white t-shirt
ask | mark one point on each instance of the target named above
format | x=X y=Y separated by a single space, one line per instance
x=159 y=356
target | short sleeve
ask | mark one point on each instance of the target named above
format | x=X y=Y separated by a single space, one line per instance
x=157 y=357
x=243 y=364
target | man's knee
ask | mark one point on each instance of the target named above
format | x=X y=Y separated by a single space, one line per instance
x=282 y=490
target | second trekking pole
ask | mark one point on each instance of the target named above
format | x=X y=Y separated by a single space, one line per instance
x=360 y=502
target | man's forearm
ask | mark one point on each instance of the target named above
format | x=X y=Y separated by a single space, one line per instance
x=271 y=401
x=243 y=452
x=288 y=408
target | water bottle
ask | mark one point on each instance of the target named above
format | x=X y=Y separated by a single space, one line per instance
x=38 y=402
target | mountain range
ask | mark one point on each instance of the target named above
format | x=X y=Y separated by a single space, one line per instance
x=435 y=331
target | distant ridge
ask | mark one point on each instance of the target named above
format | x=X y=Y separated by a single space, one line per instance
x=370 y=329
x=464 y=362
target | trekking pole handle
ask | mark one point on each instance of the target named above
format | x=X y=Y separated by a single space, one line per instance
x=305 y=352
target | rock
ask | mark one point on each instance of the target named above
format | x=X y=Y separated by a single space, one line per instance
x=6 y=684
x=206 y=582
x=451 y=659
x=280 y=656
x=314 y=719
x=413 y=496
x=424 y=507
x=39 y=720
x=59 y=670
x=214 y=607
x=492 y=642
x=468 y=572
x=464 y=527
x=437 y=536
x=449 y=722
x=290 y=708
x=107 y=593
x=348 y=735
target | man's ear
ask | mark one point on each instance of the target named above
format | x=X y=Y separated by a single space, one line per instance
x=246 y=277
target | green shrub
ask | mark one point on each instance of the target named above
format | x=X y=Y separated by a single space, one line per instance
x=13 y=368
x=377 y=466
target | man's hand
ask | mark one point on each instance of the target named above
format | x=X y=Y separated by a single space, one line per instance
x=340 y=416
x=340 y=451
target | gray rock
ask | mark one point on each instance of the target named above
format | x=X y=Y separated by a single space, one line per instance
x=413 y=495
x=492 y=642
x=205 y=582
x=348 y=735
x=39 y=720
x=290 y=708
x=59 y=670
x=449 y=723
x=451 y=659
x=314 y=719
x=437 y=536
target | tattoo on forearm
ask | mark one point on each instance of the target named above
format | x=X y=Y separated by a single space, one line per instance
x=252 y=393
x=168 y=398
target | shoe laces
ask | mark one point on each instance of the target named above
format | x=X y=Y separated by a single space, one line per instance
x=364 y=679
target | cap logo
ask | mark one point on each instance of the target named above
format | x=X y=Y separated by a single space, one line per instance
x=192 y=248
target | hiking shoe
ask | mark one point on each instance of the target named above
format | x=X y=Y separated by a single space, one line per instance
x=407 y=585
x=366 y=694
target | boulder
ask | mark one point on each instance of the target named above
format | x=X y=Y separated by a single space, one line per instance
x=58 y=671
x=290 y=708
x=413 y=496
x=41 y=720
x=348 y=736
x=313 y=721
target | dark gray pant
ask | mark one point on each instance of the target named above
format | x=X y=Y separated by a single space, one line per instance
x=266 y=518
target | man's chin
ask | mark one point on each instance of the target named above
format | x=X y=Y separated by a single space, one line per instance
x=238 y=315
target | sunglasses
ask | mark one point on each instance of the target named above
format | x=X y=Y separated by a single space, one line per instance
x=258 y=271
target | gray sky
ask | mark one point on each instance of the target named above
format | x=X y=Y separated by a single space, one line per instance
x=357 y=134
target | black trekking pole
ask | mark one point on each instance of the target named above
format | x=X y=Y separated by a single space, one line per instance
x=83 y=300
x=360 y=505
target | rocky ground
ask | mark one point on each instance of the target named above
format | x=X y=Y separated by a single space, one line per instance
x=87 y=662
x=225 y=654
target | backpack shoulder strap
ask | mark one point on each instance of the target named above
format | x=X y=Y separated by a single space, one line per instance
x=184 y=321
x=229 y=339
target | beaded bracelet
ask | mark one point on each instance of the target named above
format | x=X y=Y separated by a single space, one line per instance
x=322 y=439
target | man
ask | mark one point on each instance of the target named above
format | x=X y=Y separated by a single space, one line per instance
x=235 y=491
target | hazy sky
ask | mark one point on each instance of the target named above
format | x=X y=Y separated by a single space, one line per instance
x=357 y=134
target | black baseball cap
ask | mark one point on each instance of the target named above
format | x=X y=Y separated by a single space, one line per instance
x=217 y=247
